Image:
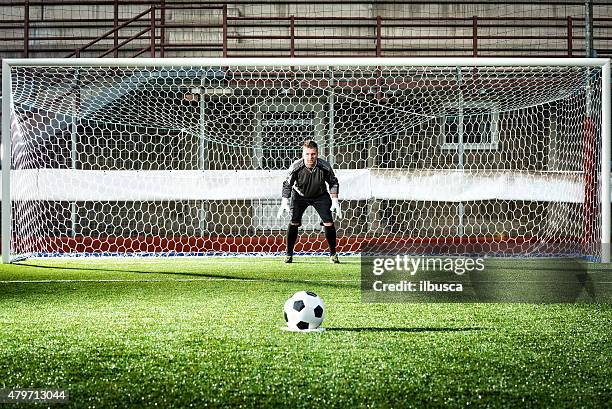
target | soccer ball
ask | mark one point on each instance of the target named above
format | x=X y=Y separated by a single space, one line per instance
x=304 y=310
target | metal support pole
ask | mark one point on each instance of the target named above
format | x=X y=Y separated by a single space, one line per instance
x=460 y=153
x=475 y=36
x=115 y=25
x=331 y=157
x=152 y=32
x=225 y=31
x=162 y=28
x=570 y=36
x=202 y=157
x=588 y=28
x=378 y=36
x=292 y=34
x=26 y=29
x=73 y=146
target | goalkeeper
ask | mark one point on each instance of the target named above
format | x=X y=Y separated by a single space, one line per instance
x=305 y=184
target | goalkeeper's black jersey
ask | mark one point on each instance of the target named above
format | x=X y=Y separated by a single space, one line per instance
x=310 y=182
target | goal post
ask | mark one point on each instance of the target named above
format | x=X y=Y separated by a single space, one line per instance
x=5 y=218
x=497 y=156
x=606 y=161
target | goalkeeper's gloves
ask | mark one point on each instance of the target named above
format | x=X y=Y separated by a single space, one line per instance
x=335 y=207
x=284 y=207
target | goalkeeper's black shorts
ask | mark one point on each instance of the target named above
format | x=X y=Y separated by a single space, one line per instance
x=322 y=205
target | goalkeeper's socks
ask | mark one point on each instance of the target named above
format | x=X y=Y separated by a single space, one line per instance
x=330 y=235
x=292 y=233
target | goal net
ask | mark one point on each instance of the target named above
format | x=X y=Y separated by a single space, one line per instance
x=187 y=157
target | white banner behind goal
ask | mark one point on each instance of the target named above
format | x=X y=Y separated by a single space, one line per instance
x=188 y=156
x=358 y=184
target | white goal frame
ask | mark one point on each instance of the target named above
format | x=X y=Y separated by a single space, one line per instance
x=602 y=63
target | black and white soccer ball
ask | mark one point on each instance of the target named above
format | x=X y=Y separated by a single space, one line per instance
x=304 y=310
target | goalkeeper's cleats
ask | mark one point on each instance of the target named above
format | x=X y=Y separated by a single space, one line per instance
x=289 y=259
x=334 y=259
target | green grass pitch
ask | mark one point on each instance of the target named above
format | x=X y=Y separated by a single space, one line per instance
x=202 y=332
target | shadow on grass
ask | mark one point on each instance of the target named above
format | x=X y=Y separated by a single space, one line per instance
x=202 y=275
x=396 y=329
